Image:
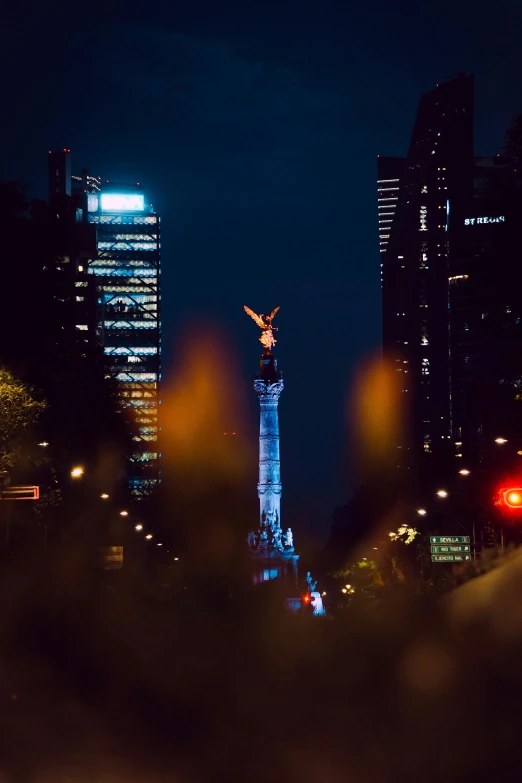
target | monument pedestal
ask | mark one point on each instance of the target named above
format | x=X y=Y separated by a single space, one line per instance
x=281 y=564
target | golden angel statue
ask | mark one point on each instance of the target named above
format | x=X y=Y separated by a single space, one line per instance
x=265 y=323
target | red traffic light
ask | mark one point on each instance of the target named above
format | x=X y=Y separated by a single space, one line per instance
x=513 y=497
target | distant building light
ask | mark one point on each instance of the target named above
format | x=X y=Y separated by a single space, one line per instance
x=122 y=202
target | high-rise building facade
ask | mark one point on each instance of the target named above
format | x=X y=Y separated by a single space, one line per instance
x=486 y=312
x=128 y=273
x=434 y=186
x=389 y=174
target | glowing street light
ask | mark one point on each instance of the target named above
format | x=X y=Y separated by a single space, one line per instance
x=43 y=443
x=124 y=513
x=442 y=493
x=422 y=512
x=159 y=544
x=176 y=558
x=138 y=527
x=344 y=590
x=77 y=472
x=148 y=536
x=500 y=440
x=464 y=472
x=104 y=496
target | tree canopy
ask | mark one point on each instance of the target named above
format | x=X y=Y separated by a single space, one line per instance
x=19 y=411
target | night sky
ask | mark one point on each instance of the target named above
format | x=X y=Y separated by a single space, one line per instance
x=254 y=126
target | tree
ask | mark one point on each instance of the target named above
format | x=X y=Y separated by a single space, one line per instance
x=19 y=412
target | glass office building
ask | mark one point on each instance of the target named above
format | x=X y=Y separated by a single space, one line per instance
x=127 y=272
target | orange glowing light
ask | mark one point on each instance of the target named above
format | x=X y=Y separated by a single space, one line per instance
x=513 y=497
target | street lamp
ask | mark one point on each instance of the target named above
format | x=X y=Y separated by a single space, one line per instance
x=442 y=493
x=77 y=472
x=124 y=513
x=104 y=496
x=43 y=443
x=148 y=536
x=159 y=544
x=464 y=472
x=422 y=512
x=138 y=527
x=500 y=440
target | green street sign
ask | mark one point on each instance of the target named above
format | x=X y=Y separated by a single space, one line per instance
x=449 y=558
x=449 y=539
x=450 y=549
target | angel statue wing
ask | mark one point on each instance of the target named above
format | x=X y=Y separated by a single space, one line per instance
x=256 y=318
x=272 y=314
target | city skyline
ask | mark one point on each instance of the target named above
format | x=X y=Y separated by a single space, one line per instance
x=258 y=154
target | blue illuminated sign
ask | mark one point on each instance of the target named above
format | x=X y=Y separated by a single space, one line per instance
x=122 y=202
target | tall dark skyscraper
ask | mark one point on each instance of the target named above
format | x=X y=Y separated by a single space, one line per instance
x=435 y=183
x=486 y=311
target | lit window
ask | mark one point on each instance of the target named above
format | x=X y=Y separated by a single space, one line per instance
x=270 y=573
x=82 y=327
x=136 y=376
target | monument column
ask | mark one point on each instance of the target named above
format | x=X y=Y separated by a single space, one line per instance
x=273 y=552
x=269 y=385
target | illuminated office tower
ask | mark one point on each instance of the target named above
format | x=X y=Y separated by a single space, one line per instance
x=127 y=271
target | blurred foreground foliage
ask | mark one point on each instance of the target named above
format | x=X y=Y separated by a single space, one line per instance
x=152 y=674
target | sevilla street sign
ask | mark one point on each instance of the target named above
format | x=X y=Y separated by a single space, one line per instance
x=449 y=539
x=451 y=549
x=449 y=558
